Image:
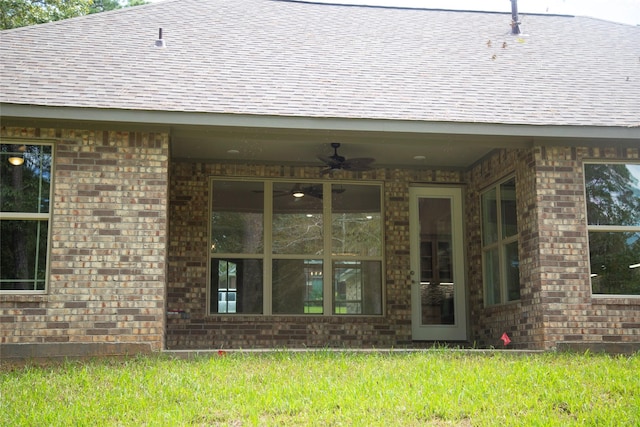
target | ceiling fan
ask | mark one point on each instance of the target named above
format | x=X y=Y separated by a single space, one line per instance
x=336 y=161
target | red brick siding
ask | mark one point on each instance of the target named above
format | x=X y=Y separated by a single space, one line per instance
x=187 y=268
x=556 y=304
x=108 y=243
x=109 y=246
x=571 y=313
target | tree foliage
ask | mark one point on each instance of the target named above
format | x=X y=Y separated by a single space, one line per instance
x=105 y=5
x=20 y=13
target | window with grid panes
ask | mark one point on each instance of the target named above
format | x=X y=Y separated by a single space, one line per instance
x=613 y=222
x=25 y=215
x=296 y=248
x=500 y=257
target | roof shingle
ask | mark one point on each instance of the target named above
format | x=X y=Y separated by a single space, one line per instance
x=284 y=58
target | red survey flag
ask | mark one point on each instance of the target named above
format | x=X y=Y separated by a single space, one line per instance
x=505 y=338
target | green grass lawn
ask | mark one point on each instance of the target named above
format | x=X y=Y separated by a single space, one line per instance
x=434 y=387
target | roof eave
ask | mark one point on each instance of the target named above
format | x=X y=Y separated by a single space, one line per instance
x=165 y=119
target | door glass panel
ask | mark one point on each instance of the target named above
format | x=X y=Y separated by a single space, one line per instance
x=436 y=278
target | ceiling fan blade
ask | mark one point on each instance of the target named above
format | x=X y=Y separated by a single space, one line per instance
x=325 y=159
x=358 y=164
x=332 y=161
x=276 y=193
x=328 y=170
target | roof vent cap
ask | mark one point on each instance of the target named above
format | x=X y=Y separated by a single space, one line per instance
x=160 y=42
x=515 y=21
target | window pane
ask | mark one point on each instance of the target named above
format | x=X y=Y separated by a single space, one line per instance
x=615 y=263
x=237 y=221
x=508 y=208
x=613 y=194
x=512 y=271
x=297 y=219
x=489 y=217
x=25 y=187
x=297 y=286
x=24 y=255
x=357 y=287
x=356 y=220
x=492 y=277
x=236 y=286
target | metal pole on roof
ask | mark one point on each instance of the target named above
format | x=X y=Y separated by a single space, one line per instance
x=160 y=42
x=515 y=22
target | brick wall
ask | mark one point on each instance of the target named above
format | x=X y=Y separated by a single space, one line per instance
x=108 y=245
x=187 y=268
x=522 y=319
x=573 y=317
x=556 y=308
x=106 y=290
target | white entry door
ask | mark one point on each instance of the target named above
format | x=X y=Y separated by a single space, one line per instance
x=438 y=292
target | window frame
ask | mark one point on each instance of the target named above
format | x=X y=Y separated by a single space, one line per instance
x=35 y=216
x=500 y=244
x=592 y=228
x=268 y=256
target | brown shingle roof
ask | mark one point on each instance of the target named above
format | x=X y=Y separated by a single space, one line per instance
x=284 y=58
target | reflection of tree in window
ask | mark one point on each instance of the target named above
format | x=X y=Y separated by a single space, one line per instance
x=297 y=224
x=613 y=214
x=613 y=195
x=295 y=244
x=237 y=217
x=25 y=174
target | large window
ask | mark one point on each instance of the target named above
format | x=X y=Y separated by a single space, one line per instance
x=296 y=248
x=500 y=244
x=613 y=218
x=25 y=196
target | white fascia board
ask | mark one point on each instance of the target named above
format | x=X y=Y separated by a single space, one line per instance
x=178 y=118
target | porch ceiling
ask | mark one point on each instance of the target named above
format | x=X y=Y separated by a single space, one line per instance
x=392 y=143
x=303 y=146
